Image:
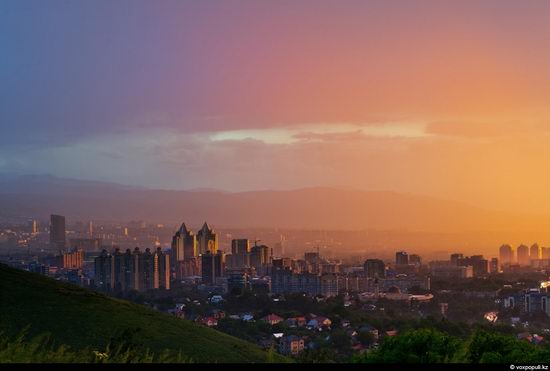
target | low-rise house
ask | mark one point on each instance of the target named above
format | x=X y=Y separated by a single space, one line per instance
x=291 y=345
x=296 y=322
x=247 y=317
x=217 y=313
x=319 y=323
x=272 y=319
x=210 y=321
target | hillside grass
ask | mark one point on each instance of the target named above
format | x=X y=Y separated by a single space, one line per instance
x=83 y=318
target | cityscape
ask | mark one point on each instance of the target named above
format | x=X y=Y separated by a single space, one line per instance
x=253 y=182
x=347 y=305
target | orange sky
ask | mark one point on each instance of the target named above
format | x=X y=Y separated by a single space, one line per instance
x=441 y=98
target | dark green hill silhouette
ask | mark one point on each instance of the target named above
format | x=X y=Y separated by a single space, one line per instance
x=83 y=318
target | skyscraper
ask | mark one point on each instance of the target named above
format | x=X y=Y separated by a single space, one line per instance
x=455 y=258
x=401 y=258
x=133 y=270
x=184 y=245
x=207 y=240
x=535 y=252
x=506 y=255
x=57 y=232
x=90 y=229
x=523 y=255
x=374 y=268
x=33 y=226
x=212 y=266
x=415 y=260
x=240 y=250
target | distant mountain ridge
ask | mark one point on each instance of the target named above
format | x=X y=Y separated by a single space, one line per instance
x=310 y=208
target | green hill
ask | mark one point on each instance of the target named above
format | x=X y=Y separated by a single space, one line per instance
x=80 y=318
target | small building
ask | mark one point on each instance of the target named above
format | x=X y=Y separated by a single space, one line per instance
x=272 y=319
x=291 y=345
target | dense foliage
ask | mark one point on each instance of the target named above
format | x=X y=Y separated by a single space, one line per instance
x=433 y=346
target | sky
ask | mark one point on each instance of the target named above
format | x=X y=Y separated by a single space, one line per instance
x=442 y=98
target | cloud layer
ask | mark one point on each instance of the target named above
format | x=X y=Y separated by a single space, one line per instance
x=439 y=98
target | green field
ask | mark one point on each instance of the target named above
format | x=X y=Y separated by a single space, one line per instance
x=82 y=318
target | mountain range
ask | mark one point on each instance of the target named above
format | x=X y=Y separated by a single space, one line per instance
x=308 y=208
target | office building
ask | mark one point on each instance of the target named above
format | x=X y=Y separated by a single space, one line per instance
x=374 y=268
x=207 y=240
x=240 y=253
x=86 y=244
x=212 y=267
x=415 y=260
x=57 y=232
x=523 y=255
x=401 y=258
x=455 y=258
x=535 y=252
x=184 y=253
x=506 y=255
x=133 y=270
x=71 y=260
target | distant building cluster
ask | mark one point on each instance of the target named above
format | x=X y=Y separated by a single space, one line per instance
x=132 y=270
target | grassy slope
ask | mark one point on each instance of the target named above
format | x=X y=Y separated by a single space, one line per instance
x=80 y=317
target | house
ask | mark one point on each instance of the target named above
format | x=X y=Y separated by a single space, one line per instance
x=291 y=345
x=301 y=321
x=247 y=317
x=216 y=299
x=319 y=323
x=296 y=322
x=210 y=321
x=217 y=314
x=391 y=332
x=272 y=319
x=291 y=322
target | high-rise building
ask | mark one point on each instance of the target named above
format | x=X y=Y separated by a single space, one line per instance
x=33 y=226
x=401 y=258
x=493 y=266
x=161 y=270
x=279 y=248
x=545 y=252
x=184 y=253
x=374 y=268
x=133 y=270
x=313 y=260
x=455 y=258
x=240 y=253
x=184 y=245
x=207 y=240
x=415 y=260
x=260 y=259
x=506 y=255
x=523 y=255
x=90 y=229
x=71 y=260
x=86 y=244
x=103 y=271
x=57 y=232
x=535 y=252
x=212 y=266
